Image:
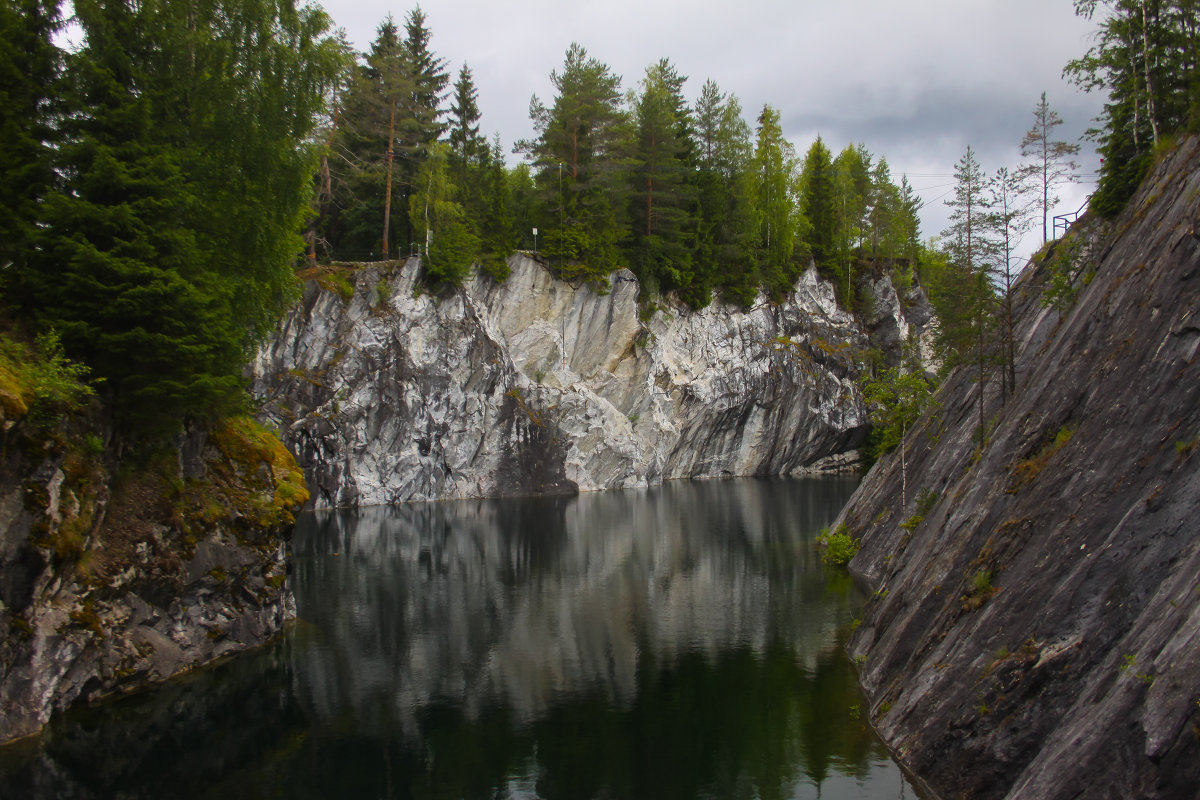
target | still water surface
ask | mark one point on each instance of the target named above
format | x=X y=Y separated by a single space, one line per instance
x=677 y=642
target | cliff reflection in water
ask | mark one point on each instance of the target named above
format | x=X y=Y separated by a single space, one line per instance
x=681 y=641
x=525 y=602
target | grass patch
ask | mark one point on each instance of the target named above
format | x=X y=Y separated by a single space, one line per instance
x=926 y=500
x=980 y=590
x=1027 y=470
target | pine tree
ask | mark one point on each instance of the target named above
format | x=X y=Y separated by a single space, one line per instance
x=1147 y=58
x=580 y=156
x=965 y=298
x=367 y=145
x=1010 y=219
x=1051 y=164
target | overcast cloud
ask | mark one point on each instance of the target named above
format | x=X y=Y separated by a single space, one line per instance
x=915 y=81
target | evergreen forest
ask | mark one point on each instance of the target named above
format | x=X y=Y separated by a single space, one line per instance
x=164 y=182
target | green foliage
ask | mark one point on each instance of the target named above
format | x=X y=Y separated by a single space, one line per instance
x=239 y=489
x=817 y=204
x=1050 y=164
x=926 y=500
x=896 y=399
x=1144 y=59
x=29 y=71
x=1129 y=667
x=839 y=546
x=186 y=172
x=39 y=381
x=388 y=121
x=979 y=590
x=451 y=244
x=724 y=257
x=580 y=153
x=779 y=220
x=662 y=199
x=1063 y=267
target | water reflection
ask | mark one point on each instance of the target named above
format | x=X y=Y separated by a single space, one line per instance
x=682 y=641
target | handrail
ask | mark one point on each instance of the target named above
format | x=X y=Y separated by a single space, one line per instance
x=1064 y=220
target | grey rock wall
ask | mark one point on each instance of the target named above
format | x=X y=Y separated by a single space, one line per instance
x=109 y=585
x=536 y=386
x=1035 y=630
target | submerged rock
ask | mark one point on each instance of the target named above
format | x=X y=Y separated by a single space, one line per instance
x=535 y=386
x=1035 y=630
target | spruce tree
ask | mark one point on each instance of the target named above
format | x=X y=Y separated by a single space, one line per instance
x=29 y=70
x=421 y=124
x=663 y=195
x=817 y=203
x=725 y=228
x=188 y=171
x=774 y=171
x=467 y=147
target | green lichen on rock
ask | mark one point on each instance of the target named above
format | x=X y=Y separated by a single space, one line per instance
x=15 y=393
x=254 y=478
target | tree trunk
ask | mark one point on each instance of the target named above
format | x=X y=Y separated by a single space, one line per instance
x=387 y=195
x=1146 y=73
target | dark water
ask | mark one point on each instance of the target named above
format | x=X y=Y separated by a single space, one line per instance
x=677 y=642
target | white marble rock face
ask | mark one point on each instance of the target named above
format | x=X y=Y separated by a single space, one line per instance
x=535 y=385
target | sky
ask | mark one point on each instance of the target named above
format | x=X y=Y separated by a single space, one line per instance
x=914 y=80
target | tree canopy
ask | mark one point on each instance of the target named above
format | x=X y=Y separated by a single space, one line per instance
x=183 y=160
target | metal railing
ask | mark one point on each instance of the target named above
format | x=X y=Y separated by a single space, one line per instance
x=1063 y=221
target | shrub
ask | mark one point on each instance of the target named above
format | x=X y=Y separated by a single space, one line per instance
x=839 y=545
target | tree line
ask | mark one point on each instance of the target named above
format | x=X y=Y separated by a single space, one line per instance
x=688 y=194
x=158 y=182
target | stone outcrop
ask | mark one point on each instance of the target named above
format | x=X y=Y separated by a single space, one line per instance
x=1035 y=629
x=533 y=386
x=108 y=584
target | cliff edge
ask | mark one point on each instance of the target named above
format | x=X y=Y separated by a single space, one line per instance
x=1035 y=629
x=388 y=394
